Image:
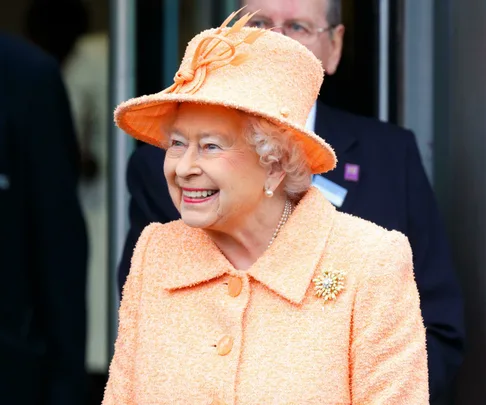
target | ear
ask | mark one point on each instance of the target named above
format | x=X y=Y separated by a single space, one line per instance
x=336 y=49
x=275 y=177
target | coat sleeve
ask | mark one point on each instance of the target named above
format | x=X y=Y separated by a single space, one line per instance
x=441 y=301
x=119 y=389
x=388 y=354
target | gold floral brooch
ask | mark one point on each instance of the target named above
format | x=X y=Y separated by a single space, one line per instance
x=329 y=284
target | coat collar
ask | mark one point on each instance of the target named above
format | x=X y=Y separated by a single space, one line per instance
x=286 y=268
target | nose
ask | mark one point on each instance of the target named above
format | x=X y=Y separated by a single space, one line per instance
x=279 y=29
x=187 y=164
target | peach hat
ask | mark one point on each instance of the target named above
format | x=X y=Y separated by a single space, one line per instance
x=256 y=71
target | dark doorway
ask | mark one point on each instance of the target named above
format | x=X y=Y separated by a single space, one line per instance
x=355 y=86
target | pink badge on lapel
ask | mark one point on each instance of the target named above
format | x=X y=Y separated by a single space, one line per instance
x=351 y=172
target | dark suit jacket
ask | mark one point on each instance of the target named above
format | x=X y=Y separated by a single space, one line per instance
x=392 y=191
x=43 y=244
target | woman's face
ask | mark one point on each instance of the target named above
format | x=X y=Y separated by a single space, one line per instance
x=215 y=179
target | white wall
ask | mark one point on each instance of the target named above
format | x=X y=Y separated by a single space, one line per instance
x=417 y=76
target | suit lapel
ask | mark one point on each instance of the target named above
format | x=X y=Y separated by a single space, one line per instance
x=347 y=149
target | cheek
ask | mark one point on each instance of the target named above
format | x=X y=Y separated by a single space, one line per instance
x=168 y=170
x=322 y=51
x=243 y=168
x=243 y=178
x=169 y=173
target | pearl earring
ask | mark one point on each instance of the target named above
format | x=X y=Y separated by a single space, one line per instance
x=268 y=193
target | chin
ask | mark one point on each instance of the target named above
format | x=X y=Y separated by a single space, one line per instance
x=195 y=220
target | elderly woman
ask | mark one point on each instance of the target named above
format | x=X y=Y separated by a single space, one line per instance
x=262 y=293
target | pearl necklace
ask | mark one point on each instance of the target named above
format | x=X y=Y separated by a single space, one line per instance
x=285 y=216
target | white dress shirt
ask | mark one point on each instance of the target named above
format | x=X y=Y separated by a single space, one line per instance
x=311 y=119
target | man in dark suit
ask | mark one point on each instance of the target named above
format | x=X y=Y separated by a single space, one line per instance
x=379 y=177
x=43 y=245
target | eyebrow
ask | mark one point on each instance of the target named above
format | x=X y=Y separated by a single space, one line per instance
x=200 y=135
x=173 y=131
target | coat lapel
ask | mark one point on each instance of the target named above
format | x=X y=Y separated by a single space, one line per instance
x=347 y=151
x=288 y=266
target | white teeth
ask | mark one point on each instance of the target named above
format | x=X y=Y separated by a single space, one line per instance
x=198 y=194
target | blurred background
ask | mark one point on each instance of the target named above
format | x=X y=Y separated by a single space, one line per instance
x=418 y=63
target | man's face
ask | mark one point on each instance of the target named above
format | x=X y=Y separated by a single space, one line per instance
x=302 y=20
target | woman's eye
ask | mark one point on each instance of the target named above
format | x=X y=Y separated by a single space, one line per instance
x=211 y=146
x=176 y=143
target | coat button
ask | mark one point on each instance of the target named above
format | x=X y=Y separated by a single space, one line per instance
x=235 y=285
x=225 y=345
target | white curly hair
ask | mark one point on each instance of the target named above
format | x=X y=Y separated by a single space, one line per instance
x=276 y=145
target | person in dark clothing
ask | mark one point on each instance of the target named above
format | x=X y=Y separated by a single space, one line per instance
x=43 y=243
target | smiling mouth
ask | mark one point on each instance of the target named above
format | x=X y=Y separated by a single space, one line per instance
x=198 y=195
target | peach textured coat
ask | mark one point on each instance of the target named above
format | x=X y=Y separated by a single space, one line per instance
x=183 y=339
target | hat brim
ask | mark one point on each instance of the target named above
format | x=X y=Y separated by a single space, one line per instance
x=144 y=118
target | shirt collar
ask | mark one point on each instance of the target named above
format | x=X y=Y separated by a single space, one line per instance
x=286 y=268
x=311 y=119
